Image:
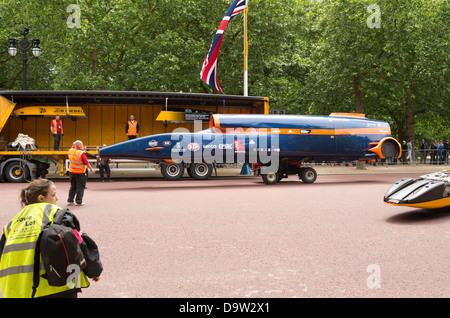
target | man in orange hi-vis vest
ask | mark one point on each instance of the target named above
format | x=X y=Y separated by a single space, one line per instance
x=77 y=170
x=132 y=128
x=56 y=129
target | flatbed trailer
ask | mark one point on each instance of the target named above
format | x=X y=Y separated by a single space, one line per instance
x=98 y=118
x=21 y=164
x=24 y=165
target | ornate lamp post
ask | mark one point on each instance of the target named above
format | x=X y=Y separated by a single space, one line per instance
x=24 y=45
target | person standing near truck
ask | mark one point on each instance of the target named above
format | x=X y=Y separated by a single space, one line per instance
x=77 y=170
x=132 y=128
x=103 y=166
x=56 y=128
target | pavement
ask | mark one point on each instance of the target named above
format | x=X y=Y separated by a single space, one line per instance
x=234 y=237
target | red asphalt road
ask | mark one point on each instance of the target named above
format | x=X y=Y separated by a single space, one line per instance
x=237 y=237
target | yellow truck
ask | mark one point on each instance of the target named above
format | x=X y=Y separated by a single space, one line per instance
x=99 y=118
x=21 y=162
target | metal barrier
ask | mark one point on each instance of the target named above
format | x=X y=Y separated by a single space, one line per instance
x=431 y=156
x=114 y=166
x=418 y=156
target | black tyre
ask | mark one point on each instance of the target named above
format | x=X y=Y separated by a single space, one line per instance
x=200 y=171
x=15 y=172
x=308 y=175
x=172 y=171
x=271 y=178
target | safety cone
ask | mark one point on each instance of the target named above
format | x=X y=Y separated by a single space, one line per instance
x=246 y=170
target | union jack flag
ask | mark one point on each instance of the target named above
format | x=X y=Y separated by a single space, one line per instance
x=209 y=69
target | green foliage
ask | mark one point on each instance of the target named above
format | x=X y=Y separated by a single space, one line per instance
x=399 y=70
x=307 y=56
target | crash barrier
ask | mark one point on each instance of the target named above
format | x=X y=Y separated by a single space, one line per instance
x=122 y=165
x=419 y=156
x=428 y=156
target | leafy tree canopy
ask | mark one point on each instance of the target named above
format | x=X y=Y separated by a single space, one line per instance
x=388 y=59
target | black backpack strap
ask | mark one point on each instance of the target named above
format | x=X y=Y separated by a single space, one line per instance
x=37 y=258
x=37 y=251
x=57 y=218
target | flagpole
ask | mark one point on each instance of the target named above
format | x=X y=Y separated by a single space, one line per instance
x=245 y=54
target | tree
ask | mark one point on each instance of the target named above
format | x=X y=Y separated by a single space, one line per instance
x=392 y=72
x=307 y=56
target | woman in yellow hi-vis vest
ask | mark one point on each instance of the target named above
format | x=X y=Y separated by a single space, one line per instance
x=132 y=128
x=18 y=242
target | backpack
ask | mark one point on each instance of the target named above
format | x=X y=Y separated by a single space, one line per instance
x=94 y=266
x=59 y=247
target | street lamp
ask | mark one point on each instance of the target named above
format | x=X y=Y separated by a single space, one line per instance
x=24 y=45
x=36 y=50
x=12 y=50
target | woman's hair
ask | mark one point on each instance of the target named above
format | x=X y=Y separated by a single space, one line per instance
x=30 y=194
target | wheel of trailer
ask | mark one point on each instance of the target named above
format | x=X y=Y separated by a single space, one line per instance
x=308 y=175
x=172 y=171
x=16 y=172
x=271 y=178
x=200 y=171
